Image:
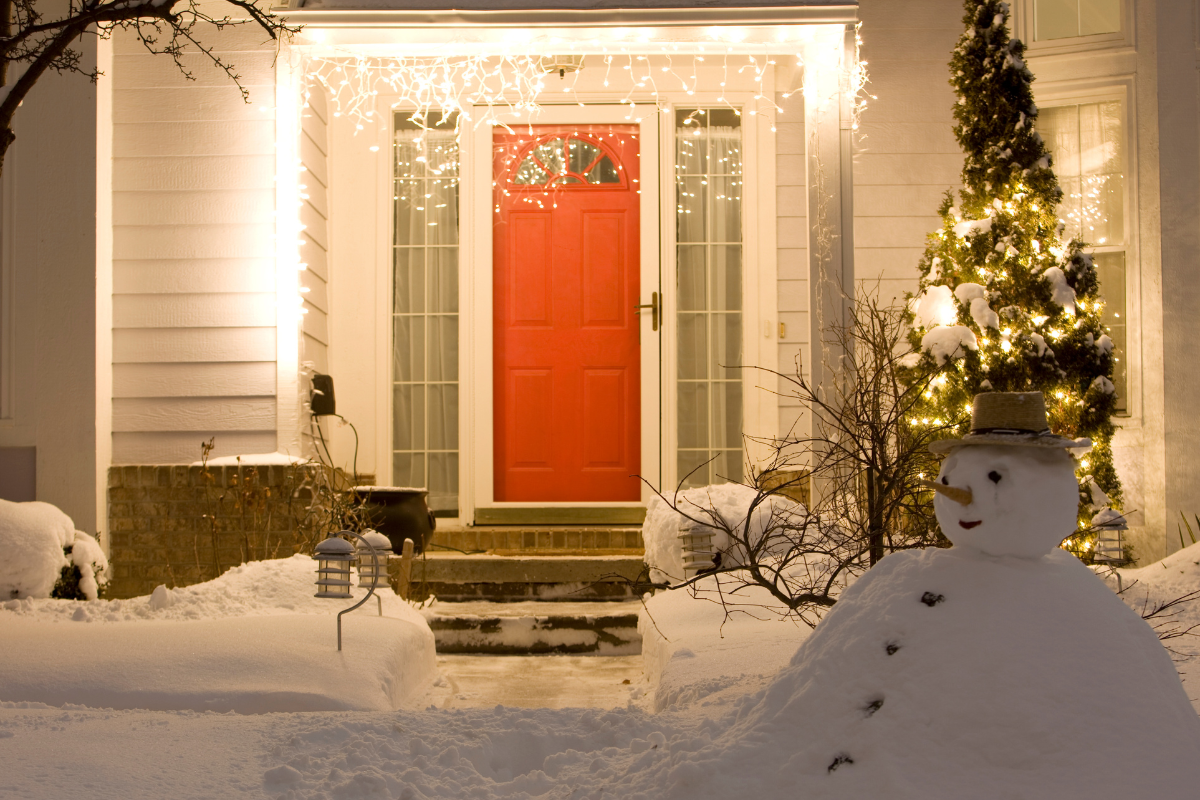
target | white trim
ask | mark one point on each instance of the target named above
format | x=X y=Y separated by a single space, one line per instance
x=287 y=235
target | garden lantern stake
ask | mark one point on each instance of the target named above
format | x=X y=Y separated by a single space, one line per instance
x=334 y=557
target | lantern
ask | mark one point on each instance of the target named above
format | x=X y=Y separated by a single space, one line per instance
x=1110 y=543
x=697 y=545
x=372 y=566
x=334 y=557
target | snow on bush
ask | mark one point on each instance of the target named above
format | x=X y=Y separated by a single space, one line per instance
x=730 y=502
x=38 y=541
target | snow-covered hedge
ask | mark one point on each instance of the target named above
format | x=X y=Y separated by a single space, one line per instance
x=37 y=542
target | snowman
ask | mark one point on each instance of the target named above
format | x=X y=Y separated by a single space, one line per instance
x=999 y=668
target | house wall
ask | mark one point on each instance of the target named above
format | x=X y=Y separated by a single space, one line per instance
x=51 y=346
x=314 y=215
x=194 y=279
x=905 y=155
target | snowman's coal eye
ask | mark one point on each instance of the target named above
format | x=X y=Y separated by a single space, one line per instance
x=945 y=481
x=994 y=476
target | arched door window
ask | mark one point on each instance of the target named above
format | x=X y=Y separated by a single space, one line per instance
x=557 y=160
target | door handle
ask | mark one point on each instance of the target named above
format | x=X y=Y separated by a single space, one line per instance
x=653 y=306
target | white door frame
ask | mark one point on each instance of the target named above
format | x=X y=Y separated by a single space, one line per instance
x=476 y=453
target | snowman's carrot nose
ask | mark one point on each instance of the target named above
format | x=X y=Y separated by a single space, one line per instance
x=960 y=496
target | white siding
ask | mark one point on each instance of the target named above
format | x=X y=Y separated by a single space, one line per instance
x=905 y=155
x=314 y=215
x=194 y=287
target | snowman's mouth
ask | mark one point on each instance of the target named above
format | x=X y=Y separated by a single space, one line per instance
x=969 y=525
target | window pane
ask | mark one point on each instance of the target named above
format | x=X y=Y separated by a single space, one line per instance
x=692 y=278
x=727 y=346
x=693 y=414
x=580 y=155
x=408 y=420
x=443 y=482
x=726 y=289
x=443 y=416
x=443 y=279
x=551 y=155
x=1099 y=16
x=692 y=469
x=691 y=194
x=443 y=348
x=409 y=346
x=693 y=346
x=604 y=172
x=409 y=280
x=726 y=209
x=408 y=469
x=1056 y=19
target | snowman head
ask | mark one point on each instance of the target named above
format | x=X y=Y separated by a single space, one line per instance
x=1023 y=501
x=1008 y=487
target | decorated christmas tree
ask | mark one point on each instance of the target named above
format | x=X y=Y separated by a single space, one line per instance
x=1004 y=304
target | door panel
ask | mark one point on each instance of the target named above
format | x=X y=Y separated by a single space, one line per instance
x=566 y=243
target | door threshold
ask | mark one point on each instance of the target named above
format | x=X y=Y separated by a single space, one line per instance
x=561 y=515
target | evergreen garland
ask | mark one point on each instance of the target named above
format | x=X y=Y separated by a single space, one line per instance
x=1004 y=305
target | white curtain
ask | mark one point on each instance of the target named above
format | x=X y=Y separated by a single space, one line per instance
x=425 y=305
x=709 y=257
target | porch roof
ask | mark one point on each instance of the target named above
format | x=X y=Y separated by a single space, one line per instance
x=568 y=13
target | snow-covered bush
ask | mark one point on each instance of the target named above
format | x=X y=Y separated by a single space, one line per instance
x=721 y=508
x=42 y=552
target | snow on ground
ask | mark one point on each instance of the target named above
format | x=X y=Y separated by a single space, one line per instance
x=695 y=654
x=1174 y=577
x=254 y=640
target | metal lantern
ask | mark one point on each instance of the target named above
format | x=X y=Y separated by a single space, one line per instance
x=334 y=557
x=1110 y=526
x=698 y=551
x=373 y=566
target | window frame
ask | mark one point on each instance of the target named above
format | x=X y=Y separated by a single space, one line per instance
x=1023 y=28
x=1069 y=93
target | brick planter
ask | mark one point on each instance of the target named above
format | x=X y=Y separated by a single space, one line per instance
x=179 y=525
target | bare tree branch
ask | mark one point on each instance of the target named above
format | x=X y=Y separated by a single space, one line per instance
x=30 y=46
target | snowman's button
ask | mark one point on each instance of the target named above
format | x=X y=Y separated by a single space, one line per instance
x=839 y=759
x=874 y=706
x=891 y=648
x=930 y=599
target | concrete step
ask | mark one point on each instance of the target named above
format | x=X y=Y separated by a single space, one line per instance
x=536 y=628
x=459 y=577
x=514 y=539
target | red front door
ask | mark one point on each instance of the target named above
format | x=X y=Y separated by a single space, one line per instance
x=567 y=392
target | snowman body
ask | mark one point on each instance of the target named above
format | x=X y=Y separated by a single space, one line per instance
x=1000 y=668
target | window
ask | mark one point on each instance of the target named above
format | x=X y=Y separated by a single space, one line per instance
x=1088 y=145
x=425 y=312
x=1063 y=19
x=708 y=190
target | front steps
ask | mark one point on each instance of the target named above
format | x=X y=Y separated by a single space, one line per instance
x=532 y=590
x=460 y=577
x=536 y=628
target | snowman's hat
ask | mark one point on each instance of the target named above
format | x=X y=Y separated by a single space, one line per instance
x=1011 y=418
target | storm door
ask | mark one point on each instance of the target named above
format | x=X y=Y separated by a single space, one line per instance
x=566 y=370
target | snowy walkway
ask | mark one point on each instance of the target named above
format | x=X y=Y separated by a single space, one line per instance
x=472 y=681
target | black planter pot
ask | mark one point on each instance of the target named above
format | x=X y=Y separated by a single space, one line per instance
x=398 y=514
